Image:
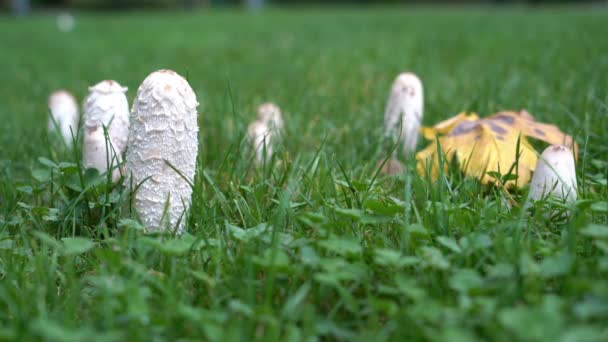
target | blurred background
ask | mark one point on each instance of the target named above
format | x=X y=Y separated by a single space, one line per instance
x=22 y=7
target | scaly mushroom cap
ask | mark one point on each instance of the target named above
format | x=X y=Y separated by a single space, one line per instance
x=260 y=138
x=554 y=175
x=404 y=109
x=99 y=153
x=107 y=104
x=163 y=131
x=270 y=114
x=64 y=111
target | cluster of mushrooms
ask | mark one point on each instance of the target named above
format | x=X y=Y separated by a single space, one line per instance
x=554 y=176
x=158 y=140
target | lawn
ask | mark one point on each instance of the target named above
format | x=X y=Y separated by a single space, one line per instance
x=317 y=247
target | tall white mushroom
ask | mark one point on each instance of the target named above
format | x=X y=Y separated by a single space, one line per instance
x=163 y=138
x=555 y=175
x=260 y=137
x=64 y=114
x=404 y=110
x=270 y=114
x=99 y=153
x=107 y=105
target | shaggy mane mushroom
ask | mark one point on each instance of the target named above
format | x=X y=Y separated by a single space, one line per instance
x=555 y=175
x=264 y=133
x=404 y=110
x=402 y=119
x=107 y=105
x=260 y=139
x=64 y=115
x=163 y=145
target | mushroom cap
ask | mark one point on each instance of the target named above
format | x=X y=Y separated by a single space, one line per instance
x=407 y=94
x=62 y=97
x=107 y=105
x=408 y=83
x=270 y=114
x=404 y=109
x=64 y=111
x=108 y=87
x=163 y=138
x=164 y=87
x=555 y=175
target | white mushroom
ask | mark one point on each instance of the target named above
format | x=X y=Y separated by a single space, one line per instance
x=64 y=115
x=163 y=138
x=260 y=137
x=99 y=153
x=404 y=110
x=107 y=105
x=555 y=175
x=270 y=114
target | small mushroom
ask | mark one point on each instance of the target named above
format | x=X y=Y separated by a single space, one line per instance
x=107 y=105
x=260 y=137
x=64 y=115
x=555 y=175
x=264 y=133
x=99 y=153
x=163 y=145
x=404 y=110
x=270 y=114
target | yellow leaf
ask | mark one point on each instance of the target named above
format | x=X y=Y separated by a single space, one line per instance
x=489 y=145
x=524 y=122
x=445 y=126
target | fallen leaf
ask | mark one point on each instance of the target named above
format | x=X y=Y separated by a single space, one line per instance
x=486 y=148
x=524 y=122
x=446 y=126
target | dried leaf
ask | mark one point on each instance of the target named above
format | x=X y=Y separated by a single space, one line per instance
x=486 y=148
x=524 y=122
x=446 y=126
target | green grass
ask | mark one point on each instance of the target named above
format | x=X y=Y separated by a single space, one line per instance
x=316 y=248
